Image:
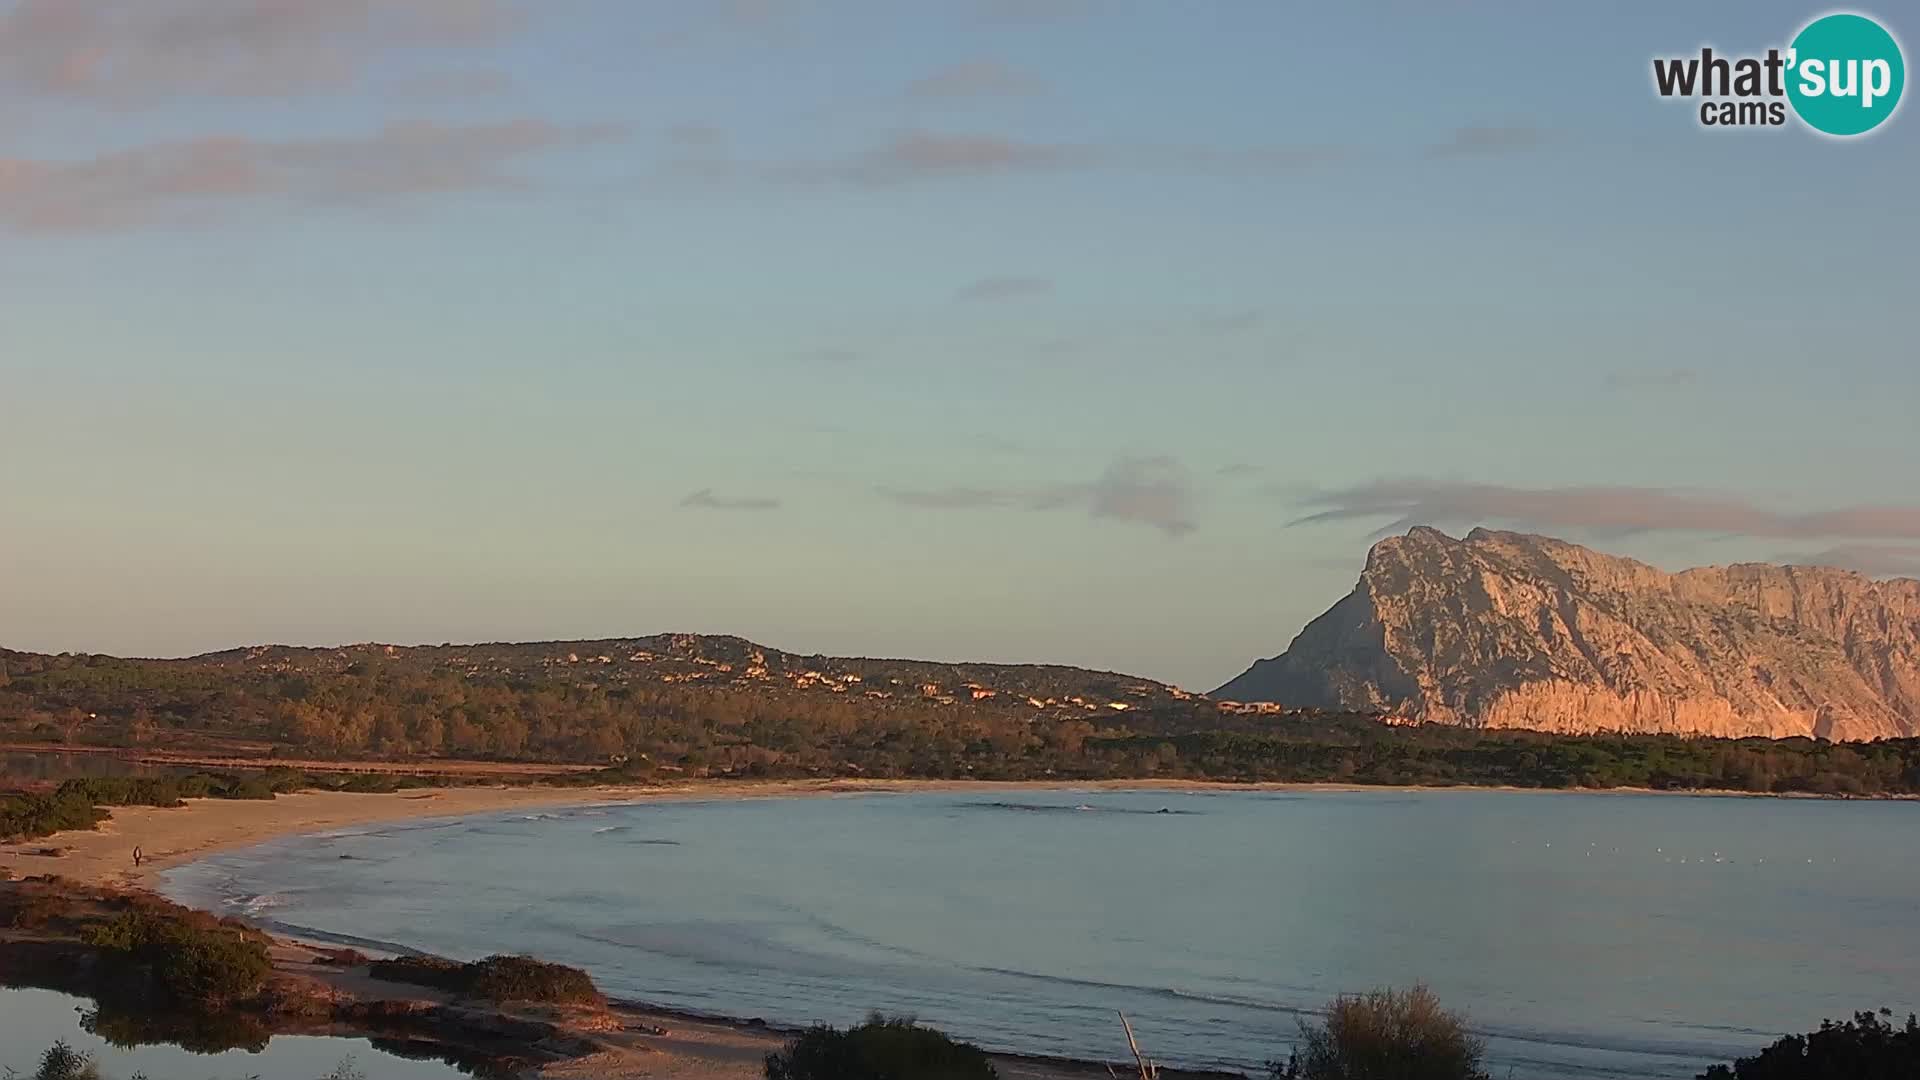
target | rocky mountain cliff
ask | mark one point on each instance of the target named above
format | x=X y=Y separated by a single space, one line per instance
x=1510 y=630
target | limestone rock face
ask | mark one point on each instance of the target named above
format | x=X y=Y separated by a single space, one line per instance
x=1510 y=630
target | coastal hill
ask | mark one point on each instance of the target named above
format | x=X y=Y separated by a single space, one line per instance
x=1509 y=630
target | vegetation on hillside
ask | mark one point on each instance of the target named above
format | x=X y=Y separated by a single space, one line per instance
x=722 y=707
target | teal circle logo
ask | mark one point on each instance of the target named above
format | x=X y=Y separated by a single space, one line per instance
x=1845 y=74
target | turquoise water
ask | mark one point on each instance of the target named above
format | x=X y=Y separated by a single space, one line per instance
x=30 y=1021
x=1587 y=935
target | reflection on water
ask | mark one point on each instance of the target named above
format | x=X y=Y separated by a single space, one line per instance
x=18 y=767
x=226 y=1048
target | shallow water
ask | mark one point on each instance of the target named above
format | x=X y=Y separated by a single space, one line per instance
x=30 y=1021
x=1588 y=935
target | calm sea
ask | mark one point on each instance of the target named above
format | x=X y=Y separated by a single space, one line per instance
x=1587 y=935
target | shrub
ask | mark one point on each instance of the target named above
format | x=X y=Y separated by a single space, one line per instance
x=1385 y=1034
x=522 y=978
x=194 y=960
x=880 y=1049
x=497 y=978
x=1867 y=1047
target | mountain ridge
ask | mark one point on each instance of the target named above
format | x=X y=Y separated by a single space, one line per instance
x=1508 y=629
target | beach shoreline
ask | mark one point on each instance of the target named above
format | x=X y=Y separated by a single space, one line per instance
x=168 y=837
x=652 y=1039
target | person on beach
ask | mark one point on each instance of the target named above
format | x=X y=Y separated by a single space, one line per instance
x=136 y=857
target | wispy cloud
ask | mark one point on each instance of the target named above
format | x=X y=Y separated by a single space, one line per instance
x=1238 y=468
x=1652 y=379
x=1476 y=140
x=927 y=155
x=1004 y=288
x=437 y=87
x=1155 y=491
x=195 y=179
x=129 y=54
x=922 y=157
x=832 y=358
x=706 y=499
x=1878 y=560
x=975 y=79
x=1615 y=510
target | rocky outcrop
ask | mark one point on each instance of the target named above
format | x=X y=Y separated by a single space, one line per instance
x=1510 y=630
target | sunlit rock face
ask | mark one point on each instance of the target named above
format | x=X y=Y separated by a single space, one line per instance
x=1510 y=630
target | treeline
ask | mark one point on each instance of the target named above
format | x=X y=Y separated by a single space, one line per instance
x=404 y=710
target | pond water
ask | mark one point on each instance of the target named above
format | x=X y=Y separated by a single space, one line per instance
x=31 y=1020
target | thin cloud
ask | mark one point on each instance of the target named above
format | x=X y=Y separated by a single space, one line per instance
x=440 y=87
x=837 y=359
x=706 y=499
x=197 y=178
x=1154 y=491
x=1032 y=11
x=1877 y=560
x=923 y=157
x=1230 y=322
x=1479 y=140
x=1655 y=379
x=976 y=79
x=1613 y=510
x=130 y=54
x=1238 y=468
x=1004 y=288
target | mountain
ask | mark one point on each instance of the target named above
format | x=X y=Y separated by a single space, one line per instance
x=1509 y=630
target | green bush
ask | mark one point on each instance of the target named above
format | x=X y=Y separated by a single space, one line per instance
x=880 y=1049
x=1867 y=1047
x=194 y=959
x=1385 y=1034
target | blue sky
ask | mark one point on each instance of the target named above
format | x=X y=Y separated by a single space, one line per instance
x=982 y=329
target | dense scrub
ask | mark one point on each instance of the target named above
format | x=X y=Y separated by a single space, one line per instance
x=880 y=1049
x=78 y=803
x=191 y=958
x=151 y=952
x=515 y=704
x=496 y=978
x=1867 y=1047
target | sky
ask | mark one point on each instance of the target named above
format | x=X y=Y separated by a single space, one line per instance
x=1108 y=332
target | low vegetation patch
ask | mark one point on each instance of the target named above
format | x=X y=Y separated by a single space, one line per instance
x=496 y=978
x=883 y=1048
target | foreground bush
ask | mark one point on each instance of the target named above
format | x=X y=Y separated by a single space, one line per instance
x=880 y=1049
x=497 y=978
x=1867 y=1047
x=192 y=958
x=1385 y=1035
